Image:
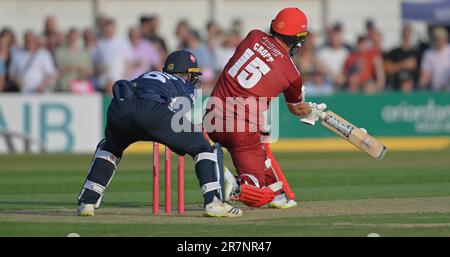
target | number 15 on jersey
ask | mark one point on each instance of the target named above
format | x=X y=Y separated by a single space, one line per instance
x=253 y=71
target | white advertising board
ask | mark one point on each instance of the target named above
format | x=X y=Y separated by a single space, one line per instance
x=50 y=122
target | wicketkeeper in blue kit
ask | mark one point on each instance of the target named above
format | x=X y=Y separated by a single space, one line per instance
x=142 y=110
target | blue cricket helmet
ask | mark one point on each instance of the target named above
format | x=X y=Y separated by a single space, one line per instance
x=181 y=62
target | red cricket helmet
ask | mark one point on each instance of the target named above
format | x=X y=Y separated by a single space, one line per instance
x=291 y=25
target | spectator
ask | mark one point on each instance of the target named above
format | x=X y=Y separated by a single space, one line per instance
x=7 y=49
x=182 y=31
x=32 y=68
x=374 y=35
x=204 y=56
x=401 y=64
x=216 y=43
x=144 y=26
x=2 y=75
x=150 y=31
x=307 y=61
x=101 y=23
x=155 y=38
x=215 y=35
x=364 y=68
x=53 y=39
x=223 y=53
x=338 y=28
x=75 y=65
x=237 y=27
x=111 y=57
x=333 y=58
x=435 y=67
x=89 y=40
x=319 y=85
x=144 y=55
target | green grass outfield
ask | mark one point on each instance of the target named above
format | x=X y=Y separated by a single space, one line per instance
x=340 y=194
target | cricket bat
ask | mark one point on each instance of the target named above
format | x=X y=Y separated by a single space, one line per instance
x=353 y=134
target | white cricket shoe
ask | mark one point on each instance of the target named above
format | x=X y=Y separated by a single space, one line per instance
x=219 y=209
x=231 y=184
x=280 y=201
x=86 y=210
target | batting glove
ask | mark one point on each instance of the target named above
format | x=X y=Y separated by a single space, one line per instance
x=315 y=115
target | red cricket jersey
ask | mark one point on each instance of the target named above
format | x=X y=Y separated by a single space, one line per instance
x=260 y=67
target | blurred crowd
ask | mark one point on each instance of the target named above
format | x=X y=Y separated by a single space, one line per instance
x=365 y=67
x=90 y=60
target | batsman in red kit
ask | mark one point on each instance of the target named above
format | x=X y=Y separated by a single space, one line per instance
x=261 y=68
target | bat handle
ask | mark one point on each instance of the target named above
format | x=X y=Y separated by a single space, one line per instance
x=322 y=115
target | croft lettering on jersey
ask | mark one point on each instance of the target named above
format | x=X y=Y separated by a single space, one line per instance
x=263 y=52
x=272 y=48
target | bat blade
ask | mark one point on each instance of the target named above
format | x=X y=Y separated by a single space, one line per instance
x=354 y=135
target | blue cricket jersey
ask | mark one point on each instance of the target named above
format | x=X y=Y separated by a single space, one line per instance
x=163 y=87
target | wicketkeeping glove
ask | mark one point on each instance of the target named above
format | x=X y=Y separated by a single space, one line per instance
x=316 y=113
